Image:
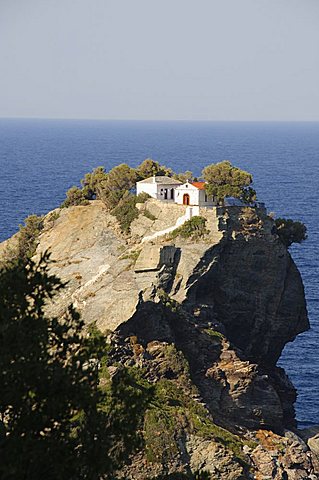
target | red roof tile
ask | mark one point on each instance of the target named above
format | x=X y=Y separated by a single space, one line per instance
x=199 y=185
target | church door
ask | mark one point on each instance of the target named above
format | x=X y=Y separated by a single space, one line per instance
x=185 y=199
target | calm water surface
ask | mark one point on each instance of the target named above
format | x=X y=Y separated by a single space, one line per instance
x=41 y=159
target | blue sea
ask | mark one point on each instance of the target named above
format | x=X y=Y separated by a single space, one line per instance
x=41 y=159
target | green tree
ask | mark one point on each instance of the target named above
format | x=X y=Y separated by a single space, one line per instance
x=183 y=177
x=149 y=168
x=56 y=422
x=92 y=181
x=120 y=180
x=290 y=231
x=222 y=180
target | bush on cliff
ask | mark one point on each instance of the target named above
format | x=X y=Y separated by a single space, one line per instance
x=194 y=228
x=56 y=421
x=92 y=181
x=290 y=231
x=28 y=236
x=126 y=210
x=75 y=196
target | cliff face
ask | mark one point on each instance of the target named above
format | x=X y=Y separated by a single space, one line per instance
x=208 y=318
x=253 y=287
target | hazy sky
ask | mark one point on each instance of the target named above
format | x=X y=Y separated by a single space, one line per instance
x=160 y=59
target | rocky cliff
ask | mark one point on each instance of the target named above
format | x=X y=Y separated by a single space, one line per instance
x=206 y=320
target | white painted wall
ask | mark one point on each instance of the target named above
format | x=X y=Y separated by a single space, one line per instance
x=187 y=188
x=150 y=188
x=205 y=200
x=175 y=193
x=196 y=196
x=166 y=192
x=160 y=191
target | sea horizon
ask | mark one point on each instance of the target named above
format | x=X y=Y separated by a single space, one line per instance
x=160 y=120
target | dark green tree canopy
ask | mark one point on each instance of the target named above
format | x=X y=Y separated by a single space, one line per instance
x=290 y=231
x=56 y=420
x=150 y=167
x=119 y=181
x=222 y=180
x=91 y=182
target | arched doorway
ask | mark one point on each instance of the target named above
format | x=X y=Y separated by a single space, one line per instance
x=185 y=199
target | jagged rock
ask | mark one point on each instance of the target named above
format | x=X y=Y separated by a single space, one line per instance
x=213 y=458
x=255 y=290
x=313 y=443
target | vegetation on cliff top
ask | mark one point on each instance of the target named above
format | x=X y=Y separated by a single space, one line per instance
x=194 y=228
x=115 y=187
x=224 y=180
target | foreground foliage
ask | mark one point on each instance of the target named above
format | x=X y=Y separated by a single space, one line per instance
x=25 y=242
x=60 y=415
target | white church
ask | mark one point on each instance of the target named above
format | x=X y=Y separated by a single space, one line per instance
x=172 y=190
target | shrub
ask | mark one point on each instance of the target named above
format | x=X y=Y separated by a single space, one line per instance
x=194 y=228
x=92 y=181
x=53 y=216
x=133 y=255
x=28 y=236
x=290 y=231
x=126 y=212
x=75 y=196
x=142 y=197
x=198 y=475
x=149 y=215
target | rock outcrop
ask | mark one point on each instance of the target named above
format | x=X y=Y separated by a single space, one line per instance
x=207 y=321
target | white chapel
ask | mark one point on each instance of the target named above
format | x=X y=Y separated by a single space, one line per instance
x=170 y=189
